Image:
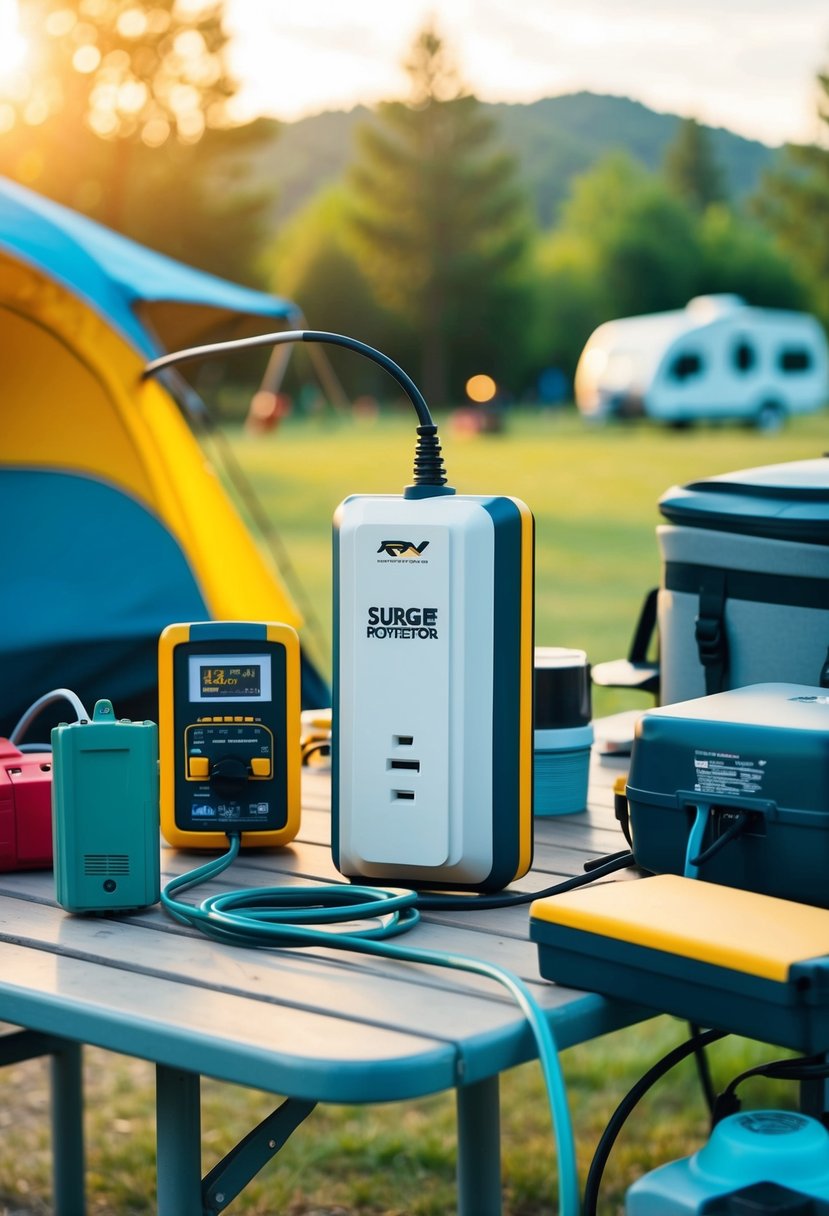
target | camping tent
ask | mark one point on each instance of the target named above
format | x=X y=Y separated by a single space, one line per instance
x=115 y=522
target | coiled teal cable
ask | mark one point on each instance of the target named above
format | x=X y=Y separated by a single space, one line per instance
x=289 y=917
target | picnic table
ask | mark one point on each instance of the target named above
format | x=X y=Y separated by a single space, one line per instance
x=317 y=1025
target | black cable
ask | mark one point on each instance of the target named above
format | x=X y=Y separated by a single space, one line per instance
x=403 y=379
x=735 y=829
x=428 y=462
x=703 y=1071
x=796 y=1068
x=596 y=862
x=428 y=901
x=193 y=353
x=625 y=1108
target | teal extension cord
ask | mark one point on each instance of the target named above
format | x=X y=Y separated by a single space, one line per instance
x=289 y=917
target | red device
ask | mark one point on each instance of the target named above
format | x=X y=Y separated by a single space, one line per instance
x=25 y=809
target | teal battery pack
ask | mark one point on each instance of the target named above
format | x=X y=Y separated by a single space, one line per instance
x=105 y=813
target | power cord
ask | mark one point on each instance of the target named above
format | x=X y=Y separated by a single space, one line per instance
x=626 y=1107
x=703 y=1071
x=740 y=823
x=600 y=867
x=796 y=1068
x=290 y=917
x=429 y=476
x=36 y=708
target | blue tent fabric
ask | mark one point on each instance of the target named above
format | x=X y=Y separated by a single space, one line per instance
x=87 y=544
x=112 y=273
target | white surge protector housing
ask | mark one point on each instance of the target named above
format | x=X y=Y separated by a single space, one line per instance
x=432 y=713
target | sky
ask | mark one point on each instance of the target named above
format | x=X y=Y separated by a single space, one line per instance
x=749 y=65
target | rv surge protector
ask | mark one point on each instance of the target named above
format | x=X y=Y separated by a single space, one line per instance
x=228 y=712
x=432 y=704
x=105 y=813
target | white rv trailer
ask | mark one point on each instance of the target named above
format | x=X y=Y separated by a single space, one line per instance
x=717 y=358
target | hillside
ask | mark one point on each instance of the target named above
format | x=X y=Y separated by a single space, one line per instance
x=554 y=139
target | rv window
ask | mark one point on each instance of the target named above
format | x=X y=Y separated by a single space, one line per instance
x=794 y=359
x=684 y=365
x=744 y=356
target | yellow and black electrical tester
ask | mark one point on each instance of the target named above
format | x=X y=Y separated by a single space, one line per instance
x=229 y=718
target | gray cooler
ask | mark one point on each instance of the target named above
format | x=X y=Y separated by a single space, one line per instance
x=745 y=580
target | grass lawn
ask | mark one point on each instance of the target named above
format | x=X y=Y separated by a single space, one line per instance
x=593 y=491
x=594 y=495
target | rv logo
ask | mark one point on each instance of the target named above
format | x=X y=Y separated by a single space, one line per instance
x=402 y=548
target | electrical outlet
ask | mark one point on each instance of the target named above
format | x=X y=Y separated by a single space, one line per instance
x=403 y=769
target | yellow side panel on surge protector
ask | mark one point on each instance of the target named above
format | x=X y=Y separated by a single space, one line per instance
x=229 y=706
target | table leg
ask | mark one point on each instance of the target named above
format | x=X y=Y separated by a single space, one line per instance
x=479 y=1149
x=178 y=1140
x=67 y=1131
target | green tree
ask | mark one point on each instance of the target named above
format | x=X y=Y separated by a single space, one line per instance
x=793 y=203
x=644 y=241
x=571 y=300
x=311 y=262
x=442 y=226
x=691 y=168
x=739 y=256
x=625 y=246
x=122 y=113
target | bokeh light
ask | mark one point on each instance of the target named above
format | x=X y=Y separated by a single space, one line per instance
x=481 y=388
x=13 y=45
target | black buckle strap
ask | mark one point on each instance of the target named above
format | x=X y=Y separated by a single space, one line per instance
x=709 y=629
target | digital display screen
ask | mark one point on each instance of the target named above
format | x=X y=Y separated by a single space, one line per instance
x=222 y=677
x=231 y=681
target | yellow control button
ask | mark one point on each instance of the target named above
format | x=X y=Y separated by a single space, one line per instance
x=248 y=719
x=260 y=766
x=218 y=719
x=198 y=766
x=238 y=719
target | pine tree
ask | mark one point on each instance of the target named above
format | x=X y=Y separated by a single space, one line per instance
x=691 y=169
x=441 y=225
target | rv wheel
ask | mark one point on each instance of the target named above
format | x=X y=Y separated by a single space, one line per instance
x=770 y=417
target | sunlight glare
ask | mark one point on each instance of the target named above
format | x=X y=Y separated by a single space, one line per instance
x=12 y=43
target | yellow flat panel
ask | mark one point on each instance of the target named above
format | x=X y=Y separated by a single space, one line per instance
x=755 y=934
